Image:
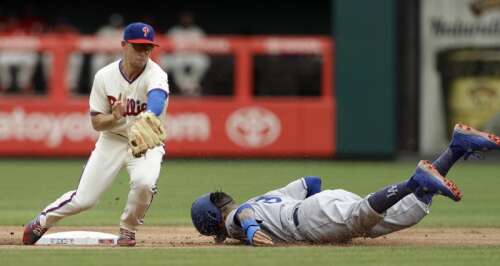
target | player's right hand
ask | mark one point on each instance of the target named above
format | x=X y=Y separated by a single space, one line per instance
x=261 y=239
x=118 y=108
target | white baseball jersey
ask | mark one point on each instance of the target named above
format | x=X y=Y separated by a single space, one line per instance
x=112 y=153
x=328 y=216
x=110 y=82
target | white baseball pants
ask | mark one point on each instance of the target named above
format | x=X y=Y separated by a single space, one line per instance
x=109 y=156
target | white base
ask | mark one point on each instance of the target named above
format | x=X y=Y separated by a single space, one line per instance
x=78 y=238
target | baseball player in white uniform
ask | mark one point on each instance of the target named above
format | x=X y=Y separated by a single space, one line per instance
x=124 y=92
x=300 y=211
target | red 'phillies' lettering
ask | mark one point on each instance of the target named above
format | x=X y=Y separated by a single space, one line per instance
x=133 y=108
x=111 y=100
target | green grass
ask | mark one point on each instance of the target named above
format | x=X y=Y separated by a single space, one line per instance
x=27 y=186
x=329 y=255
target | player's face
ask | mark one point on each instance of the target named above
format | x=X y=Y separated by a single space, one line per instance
x=137 y=54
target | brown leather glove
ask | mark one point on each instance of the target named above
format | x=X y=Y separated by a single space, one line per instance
x=146 y=133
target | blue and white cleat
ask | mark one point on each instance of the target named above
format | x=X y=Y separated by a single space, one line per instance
x=427 y=181
x=472 y=140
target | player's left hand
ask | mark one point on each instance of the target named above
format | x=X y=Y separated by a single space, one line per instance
x=261 y=239
x=146 y=133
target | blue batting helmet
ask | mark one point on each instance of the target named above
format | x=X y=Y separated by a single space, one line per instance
x=206 y=216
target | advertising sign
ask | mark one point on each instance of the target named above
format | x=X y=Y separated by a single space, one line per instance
x=460 y=68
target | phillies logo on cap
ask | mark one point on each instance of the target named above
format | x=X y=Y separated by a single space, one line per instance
x=139 y=32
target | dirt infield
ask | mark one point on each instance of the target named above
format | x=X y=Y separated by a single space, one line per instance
x=185 y=236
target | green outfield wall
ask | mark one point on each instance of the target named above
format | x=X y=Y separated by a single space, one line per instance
x=364 y=33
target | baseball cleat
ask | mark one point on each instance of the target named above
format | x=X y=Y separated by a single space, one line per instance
x=33 y=231
x=472 y=140
x=427 y=180
x=126 y=238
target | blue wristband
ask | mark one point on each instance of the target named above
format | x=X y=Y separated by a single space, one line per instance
x=250 y=226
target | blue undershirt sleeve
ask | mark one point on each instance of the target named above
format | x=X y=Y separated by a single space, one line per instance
x=156 y=101
x=249 y=225
x=313 y=184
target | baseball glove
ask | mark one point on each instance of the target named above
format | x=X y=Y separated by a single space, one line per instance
x=145 y=133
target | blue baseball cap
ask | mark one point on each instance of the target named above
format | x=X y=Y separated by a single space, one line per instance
x=139 y=32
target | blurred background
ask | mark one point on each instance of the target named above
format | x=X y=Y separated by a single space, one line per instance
x=322 y=79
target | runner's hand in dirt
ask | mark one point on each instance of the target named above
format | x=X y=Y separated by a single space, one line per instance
x=261 y=239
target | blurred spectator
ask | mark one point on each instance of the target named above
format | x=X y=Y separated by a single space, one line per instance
x=186 y=30
x=187 y=67
x=17 y=67
x=112 y=30
x=25 y=23
x=82 y=67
